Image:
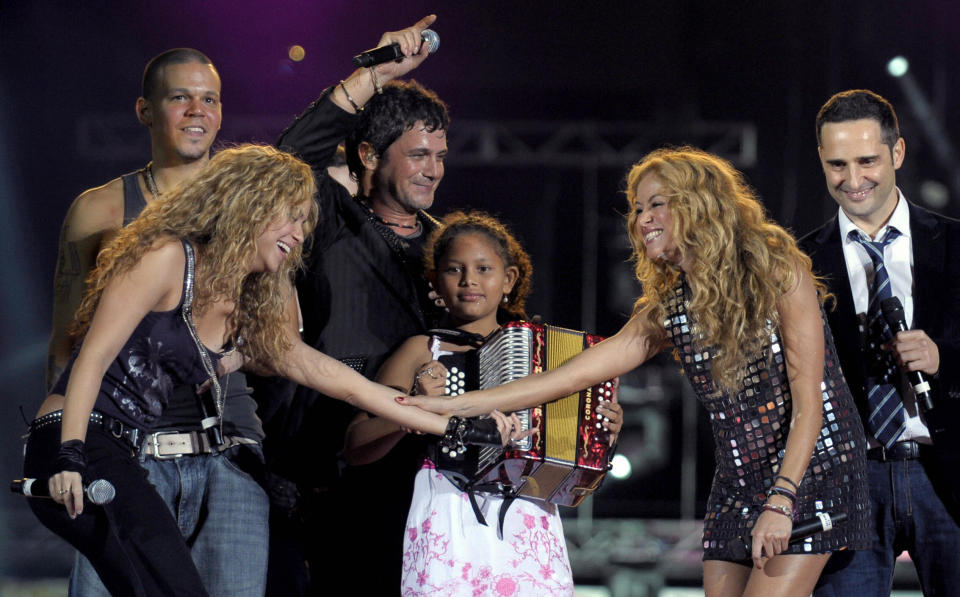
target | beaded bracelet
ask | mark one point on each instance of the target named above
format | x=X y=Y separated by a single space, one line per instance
x=451 y=442
x=788 y=481
x=783 y=510
x=356 y=108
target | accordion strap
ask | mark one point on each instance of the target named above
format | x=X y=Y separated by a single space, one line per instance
x=459 y=337
x=508 y=499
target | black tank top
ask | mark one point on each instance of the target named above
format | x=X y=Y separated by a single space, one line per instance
x=159 y=355
x=182 y=412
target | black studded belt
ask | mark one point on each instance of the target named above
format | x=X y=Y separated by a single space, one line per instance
x=132 y=436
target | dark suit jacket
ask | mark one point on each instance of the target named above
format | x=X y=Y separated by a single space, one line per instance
x=936 y=295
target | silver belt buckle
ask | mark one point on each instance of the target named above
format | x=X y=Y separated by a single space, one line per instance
x=155 y=441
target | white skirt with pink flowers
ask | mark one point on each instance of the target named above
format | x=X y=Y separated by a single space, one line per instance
x=447 y=553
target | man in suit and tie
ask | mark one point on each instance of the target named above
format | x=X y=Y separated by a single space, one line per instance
x=878 y=246
x=363 y=293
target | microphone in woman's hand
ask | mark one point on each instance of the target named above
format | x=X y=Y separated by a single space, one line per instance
x=823 y=521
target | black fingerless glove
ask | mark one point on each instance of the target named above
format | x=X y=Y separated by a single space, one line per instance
x=72 y=457
x=482 y=432
x=462 y=432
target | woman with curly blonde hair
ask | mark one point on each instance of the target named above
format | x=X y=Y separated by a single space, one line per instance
x=729 y=291
x=203 y=272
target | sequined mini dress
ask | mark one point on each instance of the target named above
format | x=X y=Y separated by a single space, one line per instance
x=750 y=434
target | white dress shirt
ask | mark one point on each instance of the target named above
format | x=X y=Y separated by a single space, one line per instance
x=898 y=261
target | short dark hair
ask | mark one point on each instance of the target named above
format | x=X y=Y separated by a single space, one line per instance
x=390 y=114
x=339 y=157
x=857 y=104
x=153 y=73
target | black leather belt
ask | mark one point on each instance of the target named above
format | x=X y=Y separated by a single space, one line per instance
x=905 y=450
x=118 y=429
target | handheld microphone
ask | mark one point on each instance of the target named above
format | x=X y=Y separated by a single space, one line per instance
x=392 y=52
x=811 y=526
x=98 y=492
x=893 y=313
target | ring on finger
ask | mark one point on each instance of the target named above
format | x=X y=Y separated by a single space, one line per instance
x=63 y=491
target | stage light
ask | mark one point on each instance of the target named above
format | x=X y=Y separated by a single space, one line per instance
x=621 y=468
x=935 y=194
x=296 y=53
x=898 y=66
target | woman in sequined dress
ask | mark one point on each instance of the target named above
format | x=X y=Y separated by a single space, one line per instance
x=729 y=291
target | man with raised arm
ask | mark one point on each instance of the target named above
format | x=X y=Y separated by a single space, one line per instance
x=362 y=294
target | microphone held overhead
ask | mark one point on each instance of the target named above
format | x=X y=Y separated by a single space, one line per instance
x=392 y=52
x=98 y=492
x=893 y=313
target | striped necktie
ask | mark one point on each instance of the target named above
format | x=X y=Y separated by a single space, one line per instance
x=885 y=421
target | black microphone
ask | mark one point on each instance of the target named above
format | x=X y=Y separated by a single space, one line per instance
x=893 y=313
x=210 y=421
x=98 y=492
x=811 y=526
x=392 y=52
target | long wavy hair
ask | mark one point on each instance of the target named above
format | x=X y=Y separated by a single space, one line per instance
x=222 y=211
x=740 y=263
x=505 y=244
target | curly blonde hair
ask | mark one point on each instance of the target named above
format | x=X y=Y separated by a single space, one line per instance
x=506 y=245
x=222 y=211
x=738 y=262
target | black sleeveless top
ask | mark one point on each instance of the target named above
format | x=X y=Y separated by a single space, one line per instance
x=160 y=355
x=133 y=199
x=182 y=413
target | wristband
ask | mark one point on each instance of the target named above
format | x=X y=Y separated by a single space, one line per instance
x=788 y=481
x=461 y=432
x=71 y=457
x=783 y=492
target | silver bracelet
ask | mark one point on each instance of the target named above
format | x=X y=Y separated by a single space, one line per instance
x=356 y=108
x=376 y=81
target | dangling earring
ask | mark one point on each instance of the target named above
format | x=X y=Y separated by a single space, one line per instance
x=506 y=299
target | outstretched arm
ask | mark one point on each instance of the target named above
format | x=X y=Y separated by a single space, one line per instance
x=369 y=439
x=616 y=355
x=313 y=369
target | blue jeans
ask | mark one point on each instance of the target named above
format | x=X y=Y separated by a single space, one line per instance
x=907 y=515
x=222 y=513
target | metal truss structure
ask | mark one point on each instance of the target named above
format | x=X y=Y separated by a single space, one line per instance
x=566 y=144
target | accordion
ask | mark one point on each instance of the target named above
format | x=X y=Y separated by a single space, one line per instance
x=566 y=460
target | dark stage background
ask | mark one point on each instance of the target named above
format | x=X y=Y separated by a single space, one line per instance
x=551 y=102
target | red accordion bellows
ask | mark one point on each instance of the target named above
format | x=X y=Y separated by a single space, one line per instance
x=568 y=458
